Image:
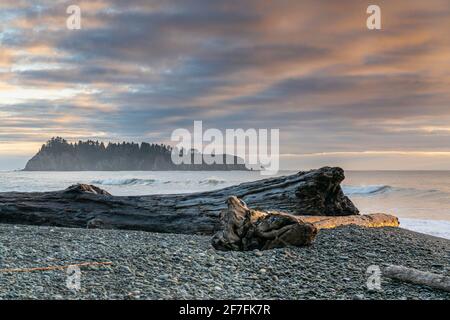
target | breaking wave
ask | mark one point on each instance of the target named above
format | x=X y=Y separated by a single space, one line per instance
x=366 y=190
x=413 y=193
x=438 y=228
x=146 y=182
x=212 y=181
x=124 y=182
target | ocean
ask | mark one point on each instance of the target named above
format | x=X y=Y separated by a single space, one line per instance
x=421 y=199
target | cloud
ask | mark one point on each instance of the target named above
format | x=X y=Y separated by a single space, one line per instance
x=139 y=69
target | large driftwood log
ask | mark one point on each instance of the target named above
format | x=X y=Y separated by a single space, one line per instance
x=316 y=192
x=247 y=229
x=415 y=276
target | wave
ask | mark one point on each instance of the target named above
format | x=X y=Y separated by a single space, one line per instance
x=212 y=181
x=399 y=192
x=146 y=182
x=366 y=190
x=124 y=182
x=438 y=228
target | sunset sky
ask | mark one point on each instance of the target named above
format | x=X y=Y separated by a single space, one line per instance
x=137 y=70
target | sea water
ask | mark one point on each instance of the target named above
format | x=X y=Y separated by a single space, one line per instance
x=421 y=199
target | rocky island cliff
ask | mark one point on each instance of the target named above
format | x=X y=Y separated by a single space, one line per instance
x=60 y=155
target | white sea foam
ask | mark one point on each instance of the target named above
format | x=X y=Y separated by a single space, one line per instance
x=365 y=189
x=146 y=182
x=124 y=182
x=438 y=228
x=212 y=181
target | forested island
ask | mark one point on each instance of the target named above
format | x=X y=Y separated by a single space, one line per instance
x=60 y=155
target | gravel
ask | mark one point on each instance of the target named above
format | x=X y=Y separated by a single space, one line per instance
x=169 y=266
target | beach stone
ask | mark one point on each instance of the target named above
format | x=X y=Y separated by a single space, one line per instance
x=139 y=262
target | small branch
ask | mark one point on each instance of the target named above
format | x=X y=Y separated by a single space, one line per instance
x=85 y=264
x=415 y=276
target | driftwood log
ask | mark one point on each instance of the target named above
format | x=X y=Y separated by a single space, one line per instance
x=415 y=276
x=247 y=229
x=315 y=192
x=374 y=220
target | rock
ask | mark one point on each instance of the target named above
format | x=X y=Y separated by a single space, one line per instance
x=163 y=277
x=313 y=272
x=258 y=253
x=95 y=224
x=39 y=289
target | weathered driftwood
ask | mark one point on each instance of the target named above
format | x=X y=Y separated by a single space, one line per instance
x=415 y=276
x=247 y=229
x=374 y=220
x=316 y=192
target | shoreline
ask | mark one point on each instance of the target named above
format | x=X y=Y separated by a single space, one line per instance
x=419 y=225
x=172 y=266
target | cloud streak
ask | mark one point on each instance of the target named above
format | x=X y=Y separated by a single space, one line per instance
x=140 y=69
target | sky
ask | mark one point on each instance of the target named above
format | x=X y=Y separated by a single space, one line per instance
x=340 y=94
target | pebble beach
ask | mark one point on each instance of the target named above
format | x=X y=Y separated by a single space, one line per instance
x=169 y=266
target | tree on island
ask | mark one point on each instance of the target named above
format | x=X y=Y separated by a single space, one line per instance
x=58 y=154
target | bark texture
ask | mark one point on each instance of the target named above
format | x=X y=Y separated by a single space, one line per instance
x=315 y=192
x=246 y=229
